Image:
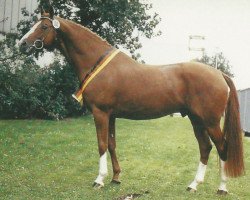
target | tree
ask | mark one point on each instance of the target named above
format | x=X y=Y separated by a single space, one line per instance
x=219 y=60
x=120 y=22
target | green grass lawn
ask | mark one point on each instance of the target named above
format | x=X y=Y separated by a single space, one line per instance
x=59 y=160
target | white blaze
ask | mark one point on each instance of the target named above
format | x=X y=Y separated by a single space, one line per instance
x=29 y=33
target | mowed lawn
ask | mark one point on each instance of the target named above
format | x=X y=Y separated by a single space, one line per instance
x=59 y=160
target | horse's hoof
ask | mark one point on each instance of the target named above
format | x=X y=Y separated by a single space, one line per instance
x=117 y=182
x=222 y=192
x=97 y=185
x=191 y=190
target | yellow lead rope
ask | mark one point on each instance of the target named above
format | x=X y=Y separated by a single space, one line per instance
x=78 y=95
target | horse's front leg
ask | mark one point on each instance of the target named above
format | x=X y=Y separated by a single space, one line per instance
x=111 y=148
x=102 y=127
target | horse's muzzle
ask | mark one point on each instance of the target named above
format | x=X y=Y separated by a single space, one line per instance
x=25 y=47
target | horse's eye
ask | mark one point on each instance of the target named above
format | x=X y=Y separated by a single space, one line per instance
x=44 y=27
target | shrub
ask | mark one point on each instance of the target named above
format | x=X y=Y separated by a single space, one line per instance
x=29 y=91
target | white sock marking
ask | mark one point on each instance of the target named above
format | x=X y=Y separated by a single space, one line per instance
x=199 y=177
x=103 y=169
x=223 y=183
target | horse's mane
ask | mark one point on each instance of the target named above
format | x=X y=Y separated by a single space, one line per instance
x=88 y=31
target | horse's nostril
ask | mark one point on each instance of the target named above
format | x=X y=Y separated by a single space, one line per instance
x=23 y=46
x=23 y=43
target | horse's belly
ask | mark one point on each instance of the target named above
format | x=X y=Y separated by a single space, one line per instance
x=141 y=116
x=146 y=108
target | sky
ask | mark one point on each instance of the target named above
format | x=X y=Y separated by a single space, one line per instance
x=224 y=23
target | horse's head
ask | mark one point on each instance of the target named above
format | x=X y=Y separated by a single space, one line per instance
x=42 y=34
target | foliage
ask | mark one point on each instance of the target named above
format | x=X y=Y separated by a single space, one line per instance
x=41 y=159
x=25 y=24
x=120 y=22
x=220 y=60
x=30 y=91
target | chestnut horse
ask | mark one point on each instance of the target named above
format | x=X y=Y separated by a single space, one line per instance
x=124 y=88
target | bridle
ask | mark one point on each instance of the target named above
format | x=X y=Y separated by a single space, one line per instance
x=39 y=43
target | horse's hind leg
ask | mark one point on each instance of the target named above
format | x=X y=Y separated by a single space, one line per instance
x=111 y=148
x=223 y=187
x=205 y=147
x=218 y=139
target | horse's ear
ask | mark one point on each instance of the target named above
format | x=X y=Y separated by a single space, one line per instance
x=51 y=12
x=46 y=8
x=42 y=11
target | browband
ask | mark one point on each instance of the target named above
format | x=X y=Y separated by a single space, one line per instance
x=55 y=22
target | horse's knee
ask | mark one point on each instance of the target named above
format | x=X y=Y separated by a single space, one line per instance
x=209 y=148
x=205 y=151
x=103 y=146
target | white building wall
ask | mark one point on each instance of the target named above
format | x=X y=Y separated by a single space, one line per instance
x=244 y=100
x=10 y=13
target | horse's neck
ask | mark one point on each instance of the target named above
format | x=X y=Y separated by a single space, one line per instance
x=82 y=47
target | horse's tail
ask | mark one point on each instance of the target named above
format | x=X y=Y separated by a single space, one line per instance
x=234 y=165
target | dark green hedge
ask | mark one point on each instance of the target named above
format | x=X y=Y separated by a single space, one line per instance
x=29 y=91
